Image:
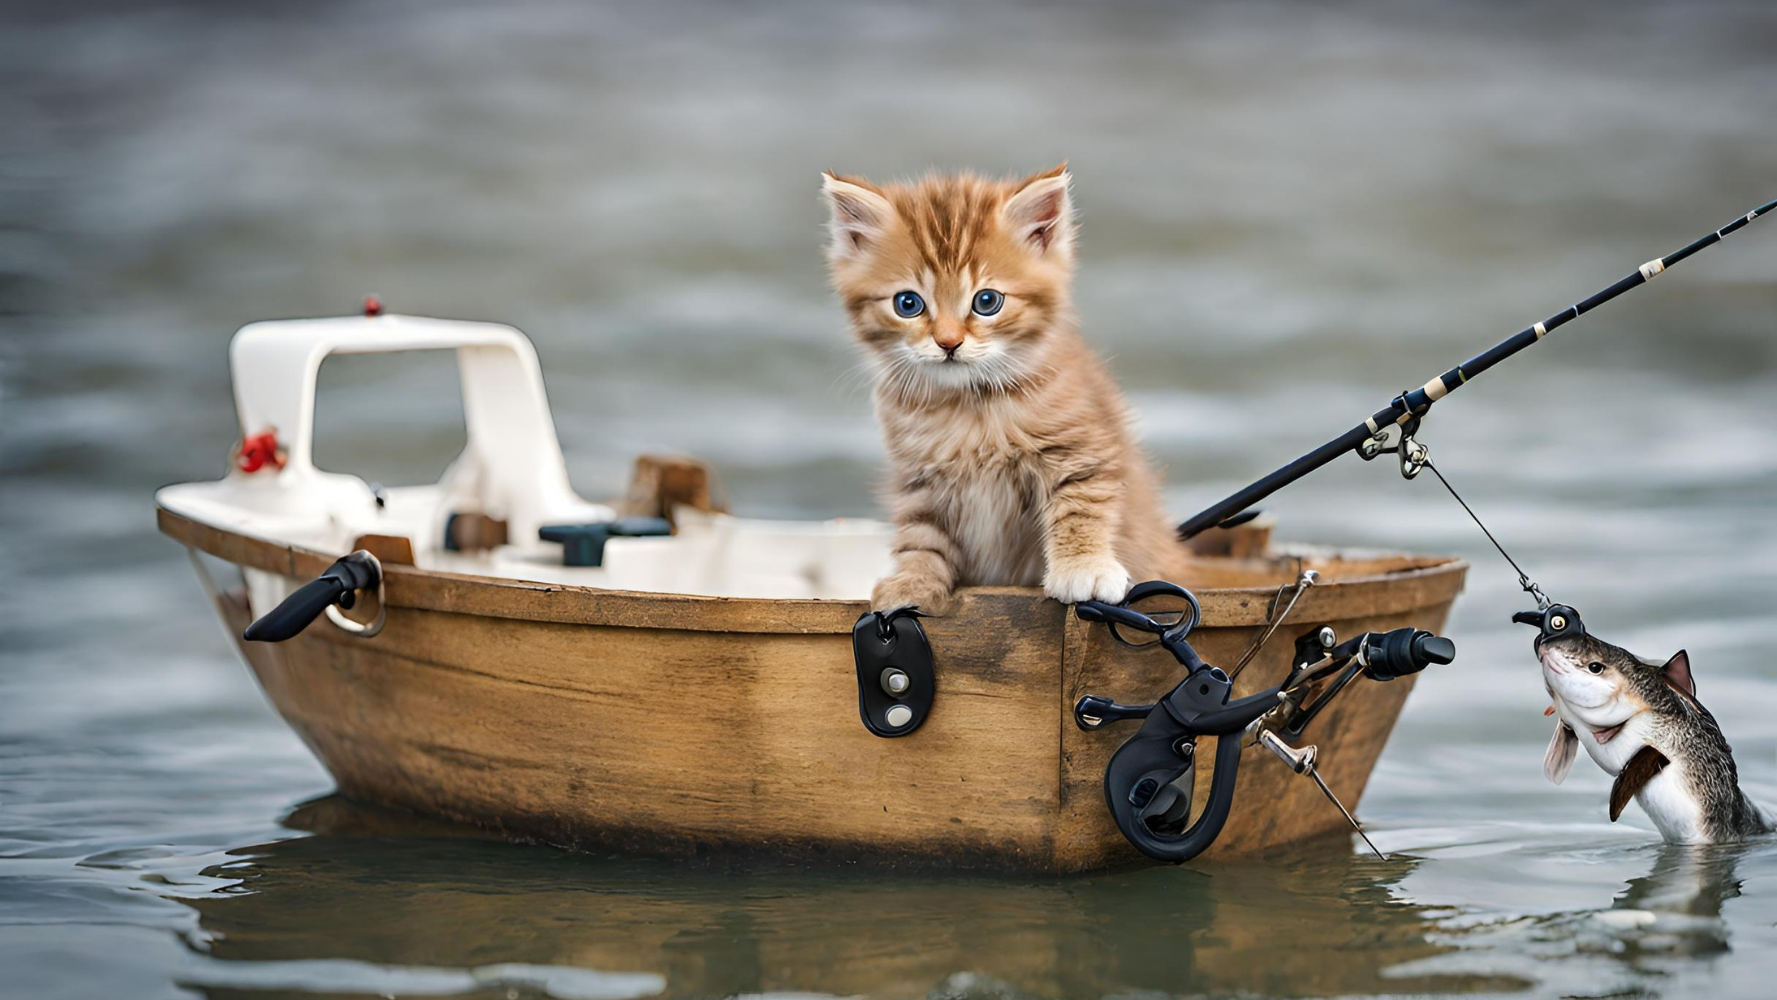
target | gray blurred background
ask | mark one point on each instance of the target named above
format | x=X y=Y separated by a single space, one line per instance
x=1290 y=212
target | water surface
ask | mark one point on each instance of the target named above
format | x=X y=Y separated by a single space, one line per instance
x=1289 y=214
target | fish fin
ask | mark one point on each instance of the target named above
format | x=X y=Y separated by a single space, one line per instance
x=1548 y=711
x=1761 y=814
x=1640 y=770
x=1562 y=748
x=1678 y=673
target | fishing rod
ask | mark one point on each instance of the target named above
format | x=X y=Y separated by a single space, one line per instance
x=1405 y=410
x=1149 y=781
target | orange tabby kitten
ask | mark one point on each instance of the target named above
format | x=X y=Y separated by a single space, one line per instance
x=1011 y=456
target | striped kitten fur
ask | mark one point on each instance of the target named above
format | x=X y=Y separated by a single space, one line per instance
x=1010 y=451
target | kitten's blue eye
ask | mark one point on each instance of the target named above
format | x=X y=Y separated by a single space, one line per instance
x=988 y=302
x=909 y=304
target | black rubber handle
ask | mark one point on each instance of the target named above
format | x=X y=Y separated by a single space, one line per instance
x=336 y=585
x=1405 y=651
x=1434 y=649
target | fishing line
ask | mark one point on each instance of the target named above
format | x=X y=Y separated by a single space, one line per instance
x=1524 y=580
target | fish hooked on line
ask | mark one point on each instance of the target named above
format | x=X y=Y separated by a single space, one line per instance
x=1640 y=721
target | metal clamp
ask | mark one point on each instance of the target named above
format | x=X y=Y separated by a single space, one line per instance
x=1302 y=760
x=1413 y=454
x=896 y=679
x=1147 y=782
x=361 y=629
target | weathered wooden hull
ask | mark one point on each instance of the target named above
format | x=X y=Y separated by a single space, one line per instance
x=667 y=724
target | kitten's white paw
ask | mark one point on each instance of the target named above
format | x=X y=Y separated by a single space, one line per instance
x=1100 y=578
x=901 y=590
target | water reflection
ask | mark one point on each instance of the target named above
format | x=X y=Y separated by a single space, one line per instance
x=1676 y=908
x=382 y=889
x=1665 y=931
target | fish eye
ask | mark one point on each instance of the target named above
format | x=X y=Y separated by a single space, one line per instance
x=988 y=302
x=909 y=304
x=1597 y=668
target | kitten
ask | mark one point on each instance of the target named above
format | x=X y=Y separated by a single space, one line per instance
x=1010 y=452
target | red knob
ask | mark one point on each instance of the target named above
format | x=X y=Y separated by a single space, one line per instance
x=373 y=306
x=258 y=451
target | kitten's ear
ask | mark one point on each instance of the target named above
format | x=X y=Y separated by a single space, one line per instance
x=1040 y=213
x=859 y=214
x=1678 y=673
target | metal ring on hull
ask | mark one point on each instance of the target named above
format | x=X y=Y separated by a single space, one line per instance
x=361 y=629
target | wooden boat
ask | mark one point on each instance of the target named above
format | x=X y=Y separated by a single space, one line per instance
x=696 y=693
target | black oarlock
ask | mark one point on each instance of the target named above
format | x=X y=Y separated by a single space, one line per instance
x=1163 y=750
x=1146 y=781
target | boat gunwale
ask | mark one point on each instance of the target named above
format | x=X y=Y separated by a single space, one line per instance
x=578 y=604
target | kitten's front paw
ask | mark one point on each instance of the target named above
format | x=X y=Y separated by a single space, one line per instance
x=899 y=591
x=1097 y=578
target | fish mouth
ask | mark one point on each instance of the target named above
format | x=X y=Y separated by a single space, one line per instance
x=1551 y=659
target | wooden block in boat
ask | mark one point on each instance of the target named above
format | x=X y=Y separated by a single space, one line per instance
x=390 y=550
x=663 y=483
x=1251 y=540
x=472 y=532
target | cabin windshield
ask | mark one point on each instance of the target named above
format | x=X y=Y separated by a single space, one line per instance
x=359 y=433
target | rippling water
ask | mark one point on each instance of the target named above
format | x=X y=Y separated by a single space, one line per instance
x=1290 y=213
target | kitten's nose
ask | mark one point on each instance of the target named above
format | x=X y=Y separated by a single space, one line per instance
x=949 y=340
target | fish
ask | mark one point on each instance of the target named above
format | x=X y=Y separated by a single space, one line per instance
x=1640 y=721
